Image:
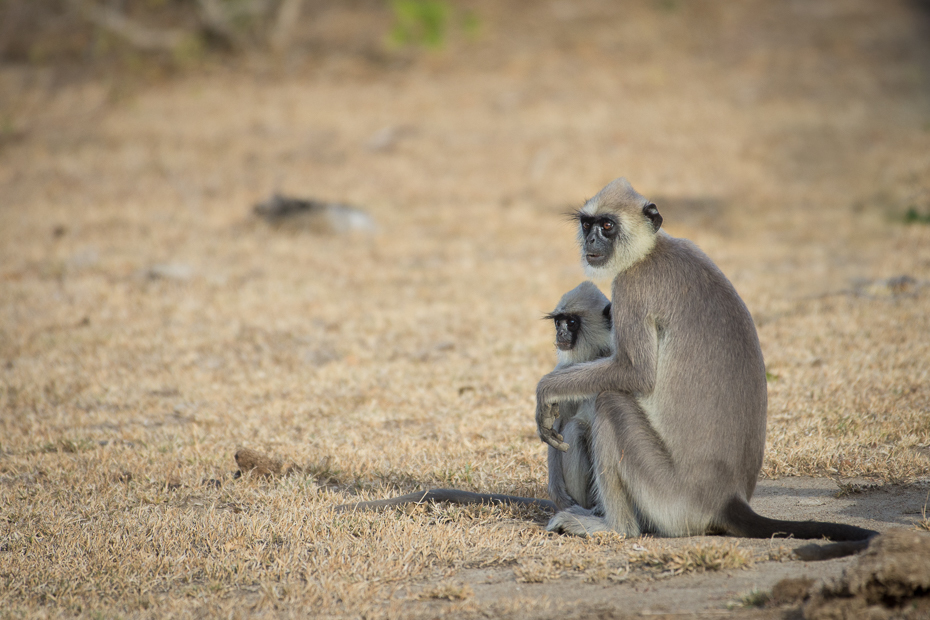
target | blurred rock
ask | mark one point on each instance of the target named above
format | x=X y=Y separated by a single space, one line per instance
x=179 y=272
x=891 y=579
x=386 y=138
x=315 y=215
x=900 y=286
x=85 y=258
x=791 y=590
x=259 y=464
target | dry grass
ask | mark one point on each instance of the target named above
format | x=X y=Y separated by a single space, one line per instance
x=924 y=522
x=696 y=557
x=448 y=591
x=150 y=327
x=531 y=571
x=753 y=598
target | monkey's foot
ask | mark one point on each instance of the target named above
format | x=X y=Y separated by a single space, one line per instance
x=577 y=521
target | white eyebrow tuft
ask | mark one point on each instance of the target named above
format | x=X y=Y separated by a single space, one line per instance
x=590 y=207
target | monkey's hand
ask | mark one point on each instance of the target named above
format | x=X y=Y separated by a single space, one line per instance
x=545 y=420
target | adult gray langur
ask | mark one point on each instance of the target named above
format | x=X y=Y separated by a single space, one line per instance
x=582 y=333
x=680 y=413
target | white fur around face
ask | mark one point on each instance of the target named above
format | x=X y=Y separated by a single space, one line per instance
x=564 y=358
x=635 y=241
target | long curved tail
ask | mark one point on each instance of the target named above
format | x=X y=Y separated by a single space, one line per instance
x=451 y=496
x=740 y=520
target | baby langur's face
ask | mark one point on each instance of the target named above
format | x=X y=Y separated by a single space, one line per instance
x=566 y=331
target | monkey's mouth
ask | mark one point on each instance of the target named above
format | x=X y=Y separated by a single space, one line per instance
x=561 y=345
x=594 y=259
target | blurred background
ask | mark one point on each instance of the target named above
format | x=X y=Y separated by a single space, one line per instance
x=790 y=140
x=792 y=94
x=378 y=323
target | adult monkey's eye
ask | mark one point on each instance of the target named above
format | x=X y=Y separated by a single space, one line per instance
x=573 y=323
x=607 y=225
x=586 y=226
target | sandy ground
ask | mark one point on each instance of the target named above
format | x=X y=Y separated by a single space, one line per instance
x=876 y=506
x=150 y=324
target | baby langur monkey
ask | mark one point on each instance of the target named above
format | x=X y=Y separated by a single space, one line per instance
x=582 y=334
x=582 y=325
x=680 y=409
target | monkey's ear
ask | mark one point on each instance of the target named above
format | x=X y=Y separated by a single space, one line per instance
x=652 y=213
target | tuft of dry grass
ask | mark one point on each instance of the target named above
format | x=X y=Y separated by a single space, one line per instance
x=924 y=522
x=778 y=554
x=449 y=591
x=695 y=557
x=531 y=571
x=753 y=598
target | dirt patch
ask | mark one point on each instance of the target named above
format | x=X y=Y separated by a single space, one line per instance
x=891 y=579
x=742 y=577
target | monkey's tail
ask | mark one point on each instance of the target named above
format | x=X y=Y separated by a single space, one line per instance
x=451 y=496
x=740 y=520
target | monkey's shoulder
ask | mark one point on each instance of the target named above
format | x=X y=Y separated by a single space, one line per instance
x=679 y=285
x=683 y=253
x=680 y=265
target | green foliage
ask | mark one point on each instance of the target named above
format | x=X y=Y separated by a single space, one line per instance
x=7 y=127
x=420 y=22
x=915 y=216
x=471 y=24
x=190 y=50
x=668 y=6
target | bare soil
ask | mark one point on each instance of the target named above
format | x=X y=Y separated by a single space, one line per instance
x=151 y=325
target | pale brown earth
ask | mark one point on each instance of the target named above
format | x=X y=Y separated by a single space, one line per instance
x=150 y=325
x=890 y=579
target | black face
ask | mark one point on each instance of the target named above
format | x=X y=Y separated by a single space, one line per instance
x=599 y=232
x=566 y=330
